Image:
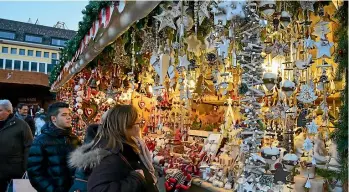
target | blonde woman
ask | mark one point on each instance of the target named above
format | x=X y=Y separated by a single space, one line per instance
x=128 y=166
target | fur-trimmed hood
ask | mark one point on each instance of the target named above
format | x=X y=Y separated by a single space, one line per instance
x=83 y=157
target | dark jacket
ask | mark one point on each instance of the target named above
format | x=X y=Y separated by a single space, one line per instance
x=15 y=140
x=28 y=119
x=47 y=163
x=116 y=174
x=84 y=159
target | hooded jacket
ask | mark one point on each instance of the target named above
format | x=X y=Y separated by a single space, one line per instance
x=116 y=172
x=84 y=159
x=48 y=169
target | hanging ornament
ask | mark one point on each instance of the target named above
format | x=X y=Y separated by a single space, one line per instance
x=306 y=94
x=223 y=48
x=148 y=41
x=166 y=20
x=309 y=43
x=288 y=88
x=285 y=19
x=203 y=12
x=269 y=80
x=187 y=22
x=279 y=49
x=323 y=48
x=312 y=127
x=164 y=65
x=307 y=184
x=321 y=29
x=193 y=44
x=308 y=145
x=267 y=7
x=307 y=5
x=183 y=62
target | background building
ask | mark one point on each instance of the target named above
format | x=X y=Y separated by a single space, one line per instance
x=28 y=53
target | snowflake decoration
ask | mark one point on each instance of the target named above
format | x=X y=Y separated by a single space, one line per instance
x=312 y=127
x=308 y=145
x=306 y=94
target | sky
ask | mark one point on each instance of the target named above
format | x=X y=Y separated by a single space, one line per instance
x=48 y=12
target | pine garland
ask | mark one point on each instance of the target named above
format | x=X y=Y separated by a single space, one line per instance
x=340 y=135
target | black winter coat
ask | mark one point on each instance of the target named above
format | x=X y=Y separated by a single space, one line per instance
x=117 y=174
x=47 y=163
x=15 y=141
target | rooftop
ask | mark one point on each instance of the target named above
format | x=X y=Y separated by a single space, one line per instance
x=47 y=33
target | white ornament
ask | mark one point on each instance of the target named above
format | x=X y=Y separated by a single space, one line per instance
x=80 y=93
x=183 y=61
x=188 y=23
x=78 y=100
x=80 y=111
x=323 y=48
x=166 y=20
x=77 y=88
x=81 y=81
x=164 y=64
x=308 y=145
x=306 y=94
x=308 y=43
x=223 y=48
x=312 y=127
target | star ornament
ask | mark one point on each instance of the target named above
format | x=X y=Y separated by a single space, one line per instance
x=308 y=145
x=166 y=20
x=309 y=43
x=312 y=127
x=307 y=5
x=323 y=48
x=183 y=61
x=193 y=44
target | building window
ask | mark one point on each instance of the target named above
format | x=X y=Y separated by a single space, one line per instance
x=33 y=38
x=38 y=53
x=42 y=67
x=46 y=54
x=58 y=42
x=34 y=66
x=30 y=52
x=8 y=64
x=14 y=51
x=7 y=35
x=21 y=51
x=54 y=55
x=4 y=49
x=1 y=63
x=49 y=68
x=54 y=61
x=17 y=65
x=25 y=66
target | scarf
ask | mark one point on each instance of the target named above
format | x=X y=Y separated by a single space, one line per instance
x=19 y=116
x=146 y=157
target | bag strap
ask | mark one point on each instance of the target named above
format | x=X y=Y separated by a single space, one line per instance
x=25 y=176
x=125 y=160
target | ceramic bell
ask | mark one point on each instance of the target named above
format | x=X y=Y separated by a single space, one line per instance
x=288 y=87
x=271 y=155
x=289 y=161
x=269 y=80
x=285 y=19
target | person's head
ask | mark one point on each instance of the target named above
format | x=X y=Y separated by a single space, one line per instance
x=42 y=111
x=5 y=109
x=120 y=126
x=59 y=114
x=23 y=109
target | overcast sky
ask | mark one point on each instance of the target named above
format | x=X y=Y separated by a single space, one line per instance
x=48 y=12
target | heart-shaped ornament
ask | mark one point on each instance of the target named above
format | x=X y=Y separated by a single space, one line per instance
x=88 y=112
x=141 y=104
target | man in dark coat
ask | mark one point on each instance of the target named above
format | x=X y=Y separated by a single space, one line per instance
x=15 y=140
x=22 y=113
x=48 y=170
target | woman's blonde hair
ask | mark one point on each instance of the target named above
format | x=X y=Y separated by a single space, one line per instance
x=119 y=119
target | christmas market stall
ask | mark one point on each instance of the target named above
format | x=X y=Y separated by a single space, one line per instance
x=232 y=95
